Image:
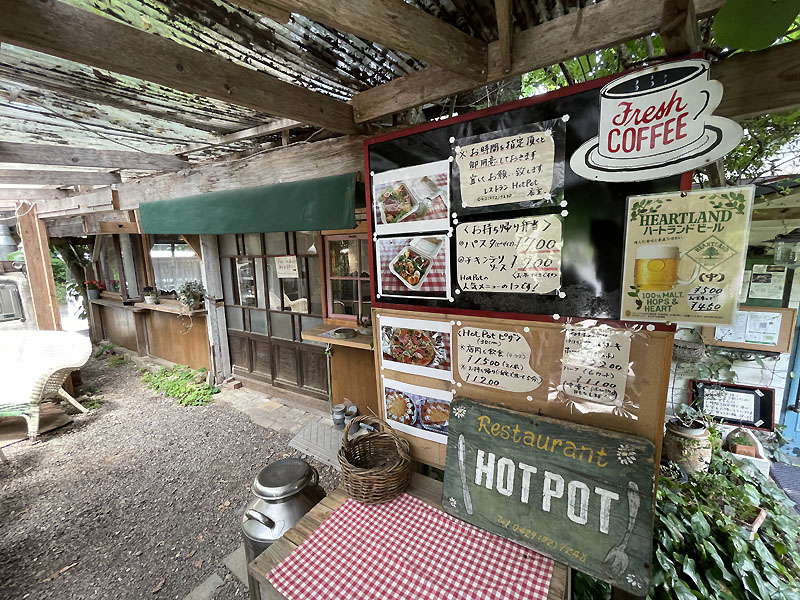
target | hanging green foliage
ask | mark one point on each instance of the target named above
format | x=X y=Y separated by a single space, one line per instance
x=753 y=24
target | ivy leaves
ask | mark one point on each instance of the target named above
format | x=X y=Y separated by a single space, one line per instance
x=634 y=293
x=734 y=200
x=645 y=206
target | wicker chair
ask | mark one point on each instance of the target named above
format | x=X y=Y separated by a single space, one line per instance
x=34 y=366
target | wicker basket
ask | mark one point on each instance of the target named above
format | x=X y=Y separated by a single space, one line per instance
x=376 y=466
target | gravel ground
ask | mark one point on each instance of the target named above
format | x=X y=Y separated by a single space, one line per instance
x=139 y=499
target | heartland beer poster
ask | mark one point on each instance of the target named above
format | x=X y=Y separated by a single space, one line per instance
x=685 y=255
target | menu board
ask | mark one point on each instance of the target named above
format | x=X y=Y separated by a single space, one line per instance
x=496 y=359
x=596 y=362
x=767 y=282
x=685 y=255
x=520 y=255
x=508 y=166
x=735 y=404
x=451 y=205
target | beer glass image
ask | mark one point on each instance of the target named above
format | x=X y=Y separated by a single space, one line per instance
x=656 y=268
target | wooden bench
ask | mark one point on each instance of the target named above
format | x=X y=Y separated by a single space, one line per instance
x=423 y=488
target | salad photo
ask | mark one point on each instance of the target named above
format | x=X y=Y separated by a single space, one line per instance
x=410 y=266
x=397 y=204
x=412 y=199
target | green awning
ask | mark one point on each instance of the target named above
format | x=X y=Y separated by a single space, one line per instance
x=312 y=205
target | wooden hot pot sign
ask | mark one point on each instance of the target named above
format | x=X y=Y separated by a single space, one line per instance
x=581 y=495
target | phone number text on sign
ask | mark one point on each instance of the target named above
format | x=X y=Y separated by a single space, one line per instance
x=510 y=255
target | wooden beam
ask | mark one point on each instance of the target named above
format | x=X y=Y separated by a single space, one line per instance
x=61 y=30
x=679 y=31
x=397 y=25
x=58 y=177
x=100 y=200
x=776 y=214
x=756 y=83
x=38 y=154
x=240 y=136
x=33 y=232
x=505 y=30
x=596 y=26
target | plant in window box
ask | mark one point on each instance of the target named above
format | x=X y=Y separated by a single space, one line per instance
x=93 y=289
x=150 y=295
x=191 y=296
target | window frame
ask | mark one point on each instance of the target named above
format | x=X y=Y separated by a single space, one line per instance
x=138 y=265
x=358 y=280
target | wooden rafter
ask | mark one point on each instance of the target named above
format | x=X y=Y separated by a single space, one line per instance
x=505 y=30
x=395 y=24
x=55 y=28
x=60 y=178
x=36 y=154
x=597 y=26
x=240 y=136
x=679 y=31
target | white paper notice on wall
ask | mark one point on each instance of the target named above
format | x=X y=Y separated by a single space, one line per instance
x=729 y=404
x=519 y=167
x=595 y=363
x=497 y=359
x=510 y=255
x=286 y=266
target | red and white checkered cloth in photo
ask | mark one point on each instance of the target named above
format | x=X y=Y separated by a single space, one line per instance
x=408 y=550
x=438 y=208
x=435 y=282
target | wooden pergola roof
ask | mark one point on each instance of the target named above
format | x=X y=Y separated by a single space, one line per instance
x=116 y=89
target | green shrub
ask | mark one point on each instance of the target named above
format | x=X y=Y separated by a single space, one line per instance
x=188 y=387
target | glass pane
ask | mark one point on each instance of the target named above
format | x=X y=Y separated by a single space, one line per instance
x=276 y=243
x=108 y=262
x=308 y=323
x=294 y=289
x=260 y=285
x=252 y=243
x=366 y=300
x=247 y=282
x=316 y=286
x=128 y=265
x=227 y=244
x=343 y=257
x=343 y=296
x=173 y=265
x=364 y=249
x=306 y=242
x=258 y=321
x=274 y=286
x=227 y=280
x=281 y=326
x=234 y=318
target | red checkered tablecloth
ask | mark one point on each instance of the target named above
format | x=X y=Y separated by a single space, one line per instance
x=408 y=550
x=435 y=282
x=439 y=204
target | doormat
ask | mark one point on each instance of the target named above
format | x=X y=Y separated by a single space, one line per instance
x=15 y=429
x=788 y=477
x=320 y=441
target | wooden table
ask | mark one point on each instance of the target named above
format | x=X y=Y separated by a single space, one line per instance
x=423 y=488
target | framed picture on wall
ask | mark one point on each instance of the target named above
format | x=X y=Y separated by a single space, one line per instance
x=735 y=404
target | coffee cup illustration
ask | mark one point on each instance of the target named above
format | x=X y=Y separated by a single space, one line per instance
x=656 y=268
x=657 y=122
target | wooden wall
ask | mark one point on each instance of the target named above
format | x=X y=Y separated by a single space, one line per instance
x=168 y=339
x=353 y=377
x=119 y=326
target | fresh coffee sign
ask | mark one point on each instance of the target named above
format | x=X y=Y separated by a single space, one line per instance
x=655 y=123
x=581 y=495
x=685 y=255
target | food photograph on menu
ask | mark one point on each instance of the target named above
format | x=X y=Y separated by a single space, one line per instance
x=412 y=199
x=419 y=411
x=414 y=266
x=416 y=346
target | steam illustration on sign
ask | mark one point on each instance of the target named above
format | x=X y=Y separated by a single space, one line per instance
x=657 y=122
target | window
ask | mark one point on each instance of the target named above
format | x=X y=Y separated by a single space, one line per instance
x=174 y=262
x=120 y=265
x=348 y=276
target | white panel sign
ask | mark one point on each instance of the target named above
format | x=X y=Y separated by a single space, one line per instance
x=595 y=363
x=497 y=359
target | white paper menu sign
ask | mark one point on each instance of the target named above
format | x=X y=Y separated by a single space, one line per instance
x=496 y=359
x=286 y=266
x=516 y=168
x=751 y=327
x=767 y=282
x=594 y=365
x=729 y=404
x=510 y=255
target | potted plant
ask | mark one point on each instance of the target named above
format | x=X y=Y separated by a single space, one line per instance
x=150 y=295
x=191 y=295
x=93 y=289
x=739 y=443
x=687 y=440
x=365 y=326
